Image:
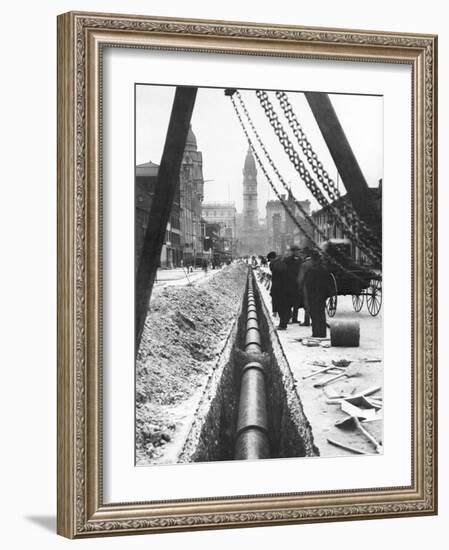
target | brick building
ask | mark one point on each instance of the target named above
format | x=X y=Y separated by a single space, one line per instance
x=282 y=232
x=221 y=225
x=183 y=243
x=332 y=229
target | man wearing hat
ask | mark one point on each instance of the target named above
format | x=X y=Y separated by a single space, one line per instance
x=279 y=280
x=316 y=281
x=293 y=262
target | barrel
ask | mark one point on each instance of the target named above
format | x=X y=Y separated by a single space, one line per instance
x=345 y=334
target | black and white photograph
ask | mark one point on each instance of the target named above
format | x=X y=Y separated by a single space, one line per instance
x=258 y=274
x=247 y=283
x=223 y=237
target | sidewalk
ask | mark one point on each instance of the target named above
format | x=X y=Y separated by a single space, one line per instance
x=368 y=357
x=180 y=276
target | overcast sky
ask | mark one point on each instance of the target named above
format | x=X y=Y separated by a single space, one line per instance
x=224 y=146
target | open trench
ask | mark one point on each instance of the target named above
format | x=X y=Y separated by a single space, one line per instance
x=250 y=407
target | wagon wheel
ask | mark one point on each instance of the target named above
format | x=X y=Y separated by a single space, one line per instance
x=357 y=301
x=331 y=302
x=374 y=297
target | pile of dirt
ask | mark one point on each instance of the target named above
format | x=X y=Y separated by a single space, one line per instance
x=185 y=331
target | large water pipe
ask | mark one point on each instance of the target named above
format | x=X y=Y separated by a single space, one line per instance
x=252 y=440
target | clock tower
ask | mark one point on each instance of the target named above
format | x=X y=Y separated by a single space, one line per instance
x=250 y=208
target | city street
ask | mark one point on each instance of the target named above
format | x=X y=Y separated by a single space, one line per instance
x=234 y=220
x=319 y=408
x=179 y=276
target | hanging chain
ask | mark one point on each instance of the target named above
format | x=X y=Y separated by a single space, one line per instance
x=317 y=166
x=289 y=148
x=302 y=170
x=321 y=173
x=330 y=259
x=276 y=171
x=305 y=174
x=363 y=230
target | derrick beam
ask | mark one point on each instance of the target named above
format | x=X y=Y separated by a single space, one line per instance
x=166 y=186
x=345 y=160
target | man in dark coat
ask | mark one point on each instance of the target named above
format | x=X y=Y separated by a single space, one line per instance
x=295 y=294
x=293 y=262
x=279 y=298
x=305 y=265
x=315 y=279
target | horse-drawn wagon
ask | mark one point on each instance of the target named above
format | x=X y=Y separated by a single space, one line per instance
x=364 y=284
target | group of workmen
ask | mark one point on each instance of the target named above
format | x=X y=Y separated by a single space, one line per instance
x=300 y=280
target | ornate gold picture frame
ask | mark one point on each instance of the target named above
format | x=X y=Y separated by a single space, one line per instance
x=82 y=40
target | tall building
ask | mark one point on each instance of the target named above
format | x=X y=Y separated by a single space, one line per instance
x=250 y=210
x=191 y=185
x=146 y=178
x=220 y=217
x=282 y=231
x=331 y=228
x=184 y=234
x=251 y=237
x=222 y=213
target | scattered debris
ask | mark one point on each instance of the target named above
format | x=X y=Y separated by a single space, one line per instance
x=314 y=341
x=376 y=403
x=332 y=394
x=351 y=370
x=379 y=415
x=310 y=343
x=346 y=447
x=359 y=401
x=341 y=362
x=352 y=422
x=362 y=413
x=322 y=371
x=367 y=391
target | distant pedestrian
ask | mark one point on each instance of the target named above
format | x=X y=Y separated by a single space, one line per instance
x=316 y=283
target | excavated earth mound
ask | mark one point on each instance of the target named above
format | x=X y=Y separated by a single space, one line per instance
x=185 y=331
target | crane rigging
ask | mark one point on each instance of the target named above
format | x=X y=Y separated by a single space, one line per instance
x=337 y=265
x=306 y=177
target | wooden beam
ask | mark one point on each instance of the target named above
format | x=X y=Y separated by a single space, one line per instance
x=166 y=186
x=344 y=158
